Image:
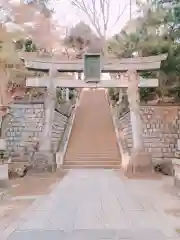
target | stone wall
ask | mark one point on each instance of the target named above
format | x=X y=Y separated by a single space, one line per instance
x=24 y=125
x=161 y=126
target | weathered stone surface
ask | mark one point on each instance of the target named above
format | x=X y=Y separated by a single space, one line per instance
x=164 y=167
x=59 y=126
x=65 y=108
x=176 y=166
x=24 y=126
x=140 y=162
x=17 y=169
x=177 y=182
x=161 y=126
x=4 y=179
x=89 y=234
x=98 y=205
x=43 y=162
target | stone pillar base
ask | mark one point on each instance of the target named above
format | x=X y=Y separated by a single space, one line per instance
x=51 y=168
x=4 y=184
x=4 y=178
x=43 y=162
x=140 y=164
x=177 y=182
x=176 y=167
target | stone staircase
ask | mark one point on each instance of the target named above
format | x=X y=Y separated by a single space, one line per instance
x=92 y=143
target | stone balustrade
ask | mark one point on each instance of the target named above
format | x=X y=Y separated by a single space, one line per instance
x=59 y=126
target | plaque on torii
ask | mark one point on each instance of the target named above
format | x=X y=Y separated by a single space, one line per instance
x=107 y=65
x=92 y=68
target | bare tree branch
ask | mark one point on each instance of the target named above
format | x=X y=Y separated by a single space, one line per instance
x=80 y=4
x=107 y=12
x=102 y=6
x=120 y=14
x=98 y=13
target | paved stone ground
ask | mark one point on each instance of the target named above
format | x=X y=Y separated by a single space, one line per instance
x=98 y=204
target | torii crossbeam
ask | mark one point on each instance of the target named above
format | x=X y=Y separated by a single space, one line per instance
x=107 y=65
x=68 y=83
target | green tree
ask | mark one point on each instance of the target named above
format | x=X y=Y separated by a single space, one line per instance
x=26 y=45
x=156 y=31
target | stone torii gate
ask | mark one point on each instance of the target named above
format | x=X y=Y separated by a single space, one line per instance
x=92 y=67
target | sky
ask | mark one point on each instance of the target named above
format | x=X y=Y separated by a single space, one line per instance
x=68 y=15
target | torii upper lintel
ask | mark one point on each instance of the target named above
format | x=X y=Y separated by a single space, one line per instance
x=107 y=65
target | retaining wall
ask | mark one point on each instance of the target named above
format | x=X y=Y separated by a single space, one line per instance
x=24 y=124
x=161 y=130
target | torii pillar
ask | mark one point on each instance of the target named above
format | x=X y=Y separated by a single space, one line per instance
x=45 y=147
x=140 y=161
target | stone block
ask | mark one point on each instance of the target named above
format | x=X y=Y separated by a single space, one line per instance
x=176 y=165
x=178 y=144
x=4 y=179
x=59 y=158
x=2 y=144
x=168 y=154
x=44 y=162
x=23 y=123
x=140 y=162
x=177 y=154
x=164 y=166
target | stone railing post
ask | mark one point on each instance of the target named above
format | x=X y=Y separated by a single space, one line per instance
x=67 y=94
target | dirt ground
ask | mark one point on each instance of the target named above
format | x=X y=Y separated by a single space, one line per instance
x=23 y=192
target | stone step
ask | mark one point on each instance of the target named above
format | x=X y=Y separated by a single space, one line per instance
x=91 y=162
x=92 y=166
x=91 y=234
x=92 y=143
x=92 y=159
x=91 y=150
x=93 y=155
